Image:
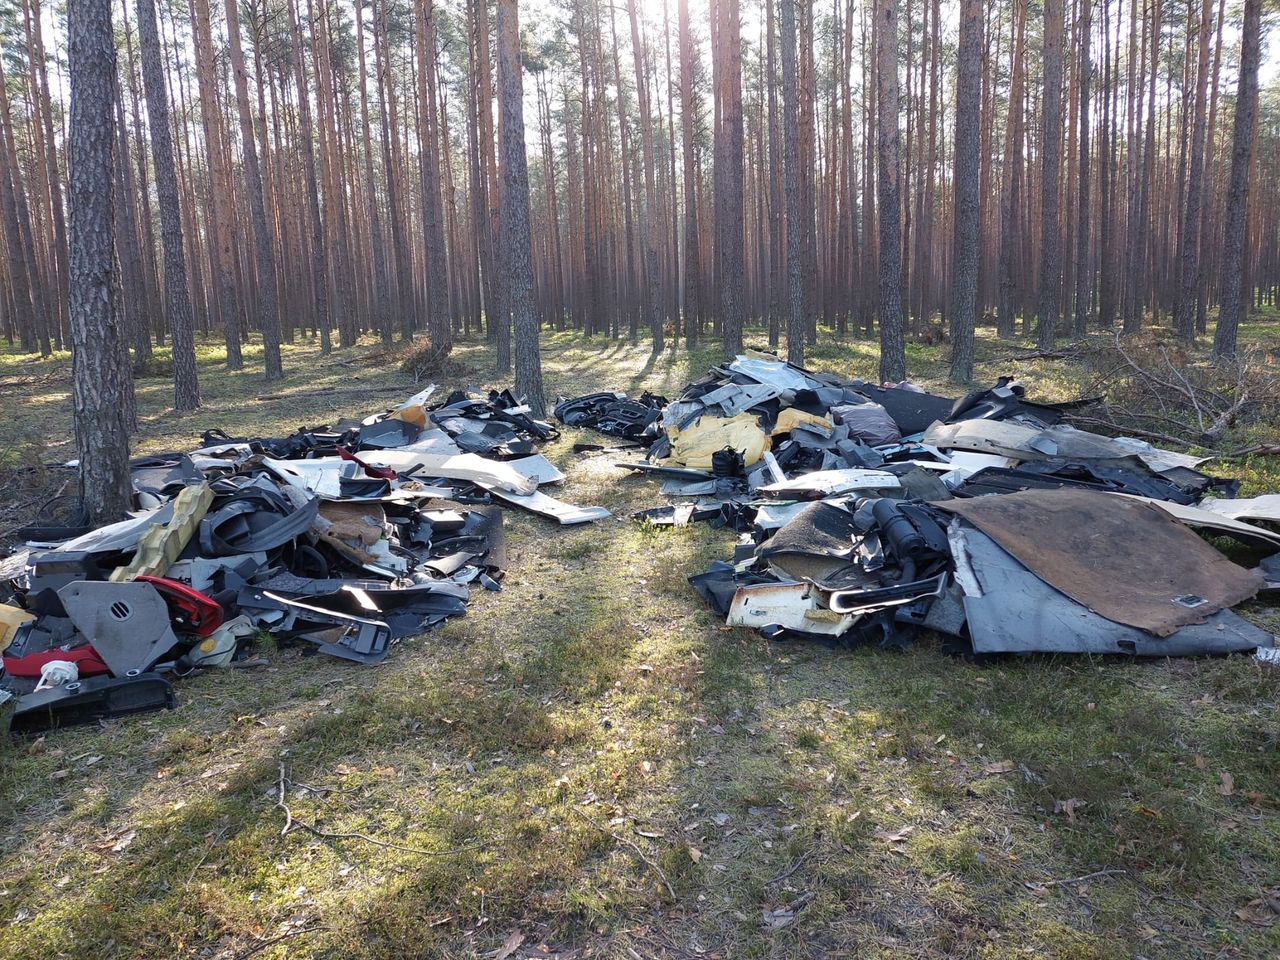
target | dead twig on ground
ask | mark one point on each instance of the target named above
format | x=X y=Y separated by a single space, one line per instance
x=271 y=941
x=1157 y=384
x=291 y=823
x=1109 y=872
x=331 y=392
x=634 y=847
x=800 y=861
x=1257 y=450
x=1069 y=352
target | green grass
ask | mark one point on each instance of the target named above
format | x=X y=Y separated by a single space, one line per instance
x=591 y=759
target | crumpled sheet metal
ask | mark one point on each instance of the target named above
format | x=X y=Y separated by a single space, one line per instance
x=763 y=368
x=1202 y=518
x=736 y=398
x=462 y=466
x=120 y=537
x=815 y=544
x=1265 y=508
x=1123 y=559
x=1010 y=610
x=830 y=483
x=694 y=444
x=1008 y=439
x=566 y=514
x=791 y=605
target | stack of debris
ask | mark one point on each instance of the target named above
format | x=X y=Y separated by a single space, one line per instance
x=343 y=538
x=870 y=512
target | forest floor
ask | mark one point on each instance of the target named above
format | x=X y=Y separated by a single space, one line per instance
x=590 y=764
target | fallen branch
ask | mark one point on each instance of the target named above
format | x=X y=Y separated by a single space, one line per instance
x=1225 y=419
x=1109 y=872
x=1133 y=431
x=331 y=392
x=1064 y=353
x=1258 y=450
x=635 y=848
x=291 y=823
x=263 y=944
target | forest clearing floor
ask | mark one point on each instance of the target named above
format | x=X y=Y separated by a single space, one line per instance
x=590 y=764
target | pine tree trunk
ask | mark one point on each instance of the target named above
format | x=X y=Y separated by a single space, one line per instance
x=1184 y=313
x=893 y=357
x=19 y=277
x=186 y=385
x=796 y=321
x=1051 y=158
x=730 y=228
x=1011 y=179
x=516 y=241
x=50 y=155
x=223 y=227
x=22 y=238
x=133 y=309
x=964 y=286
x=649 y=224
x=438 y=326
x=1209 y=177
x=1233 y=306
x=1083 y=264
x=98 y=393
x=688 y=110
x=377 y=242
x=388 y=119
x=319 y=259
x=264 y=242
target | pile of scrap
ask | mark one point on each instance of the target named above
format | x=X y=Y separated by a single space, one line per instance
x=340 y=538
x=869 y=513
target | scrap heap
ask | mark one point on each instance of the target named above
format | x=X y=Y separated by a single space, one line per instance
x=869 y=512
x=343 y=538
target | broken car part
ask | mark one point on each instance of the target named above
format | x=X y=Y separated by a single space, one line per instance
x=90 y=700
x=127 y=623
x=1123 y=559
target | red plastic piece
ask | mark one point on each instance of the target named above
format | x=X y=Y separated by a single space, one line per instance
x=84 y=657
x=380 y=473
x=192 y=611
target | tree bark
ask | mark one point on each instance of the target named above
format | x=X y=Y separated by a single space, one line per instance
x=264 y=242
x=319 y=260
x=731 y=257
x=1051 y=158
x=796 y=325
x=98 y=393
x=893 y=355
x=1184 y=312
x=1083 y=264
x=223 y=227
x=516 y=240
x=182 y=325
x=50 y=157
x=964 y=285
x=19 y=277
x=688 y=110
x=438 y=326
x=649 y=224
x=377 y=244
x=1011 y=178
x=1233 y=305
